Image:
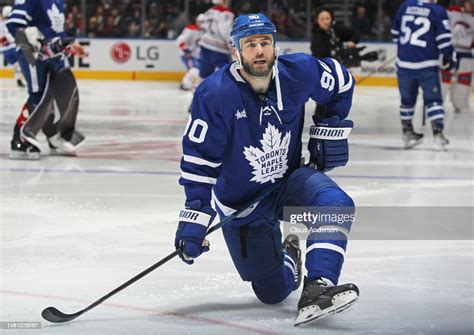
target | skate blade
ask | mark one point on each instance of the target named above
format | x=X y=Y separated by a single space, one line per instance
x=57 y=152
x=411 y=144
x=64 y=148
x=441 y=147
x=341 y=302
x=32 y=156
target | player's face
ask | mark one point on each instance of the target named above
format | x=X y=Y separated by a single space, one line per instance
x=257 y=54
x=324 y=20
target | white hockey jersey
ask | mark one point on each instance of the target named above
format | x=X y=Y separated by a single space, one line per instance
x=462 y=24
x=6 y=39
x=216 y=29
x=189 y=39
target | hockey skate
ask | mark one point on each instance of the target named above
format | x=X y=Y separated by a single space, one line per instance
x=291 y=246
x=65 y=145
x=23 y=150
x=319 y=299
x=440 y=141
x=410 y=138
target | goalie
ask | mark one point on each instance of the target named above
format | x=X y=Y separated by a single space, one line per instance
x=38 y=28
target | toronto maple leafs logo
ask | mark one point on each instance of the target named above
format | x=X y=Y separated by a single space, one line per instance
x=270 y=162
x=56 y=18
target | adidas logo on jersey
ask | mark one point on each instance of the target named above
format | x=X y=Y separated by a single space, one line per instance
x=240 y=115
x=266 y=111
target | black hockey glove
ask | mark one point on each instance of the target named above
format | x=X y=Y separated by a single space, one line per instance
x=449 y=62
x=55 y=47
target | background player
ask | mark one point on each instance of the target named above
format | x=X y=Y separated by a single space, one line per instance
x=8 y=47
x=188 y=42
x=38 y=28
x=462 y=23
x=215 y=39
x=244 y=135
x=422 y=32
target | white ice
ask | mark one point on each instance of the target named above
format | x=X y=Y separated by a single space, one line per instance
x=73 y=229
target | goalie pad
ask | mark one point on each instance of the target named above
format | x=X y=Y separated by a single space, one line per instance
x=66 y=97
x=56 y=113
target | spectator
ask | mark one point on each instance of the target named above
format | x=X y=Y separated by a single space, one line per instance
x=361 y=22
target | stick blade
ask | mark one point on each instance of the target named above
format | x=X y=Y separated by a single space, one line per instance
x=54 y=315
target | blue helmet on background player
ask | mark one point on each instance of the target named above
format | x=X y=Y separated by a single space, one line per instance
x=251 y=24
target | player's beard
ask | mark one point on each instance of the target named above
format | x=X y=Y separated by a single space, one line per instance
x=249 y=67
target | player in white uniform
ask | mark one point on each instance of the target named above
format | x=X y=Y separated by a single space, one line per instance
x=7 y=46
x=462 y=22
x=215 y=40
x=188 y=43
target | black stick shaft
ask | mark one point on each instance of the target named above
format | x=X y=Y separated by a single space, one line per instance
x=53 y=315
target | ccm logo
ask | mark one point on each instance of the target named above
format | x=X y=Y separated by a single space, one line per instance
x=254 y=17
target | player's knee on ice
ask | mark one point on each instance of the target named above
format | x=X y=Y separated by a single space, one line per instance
x=274 y=287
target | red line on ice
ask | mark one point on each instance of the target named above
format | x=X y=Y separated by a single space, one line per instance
x=148 y=310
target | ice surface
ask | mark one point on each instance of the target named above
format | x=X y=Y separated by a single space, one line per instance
x=73 y=229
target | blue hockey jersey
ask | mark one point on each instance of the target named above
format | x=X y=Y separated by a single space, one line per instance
x=238 y=142
x=422 y=32
x=46 y=15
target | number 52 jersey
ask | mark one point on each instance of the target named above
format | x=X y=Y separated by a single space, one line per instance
x=422 y=32
x=237 y=142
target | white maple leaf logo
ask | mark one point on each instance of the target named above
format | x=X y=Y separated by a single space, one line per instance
x=57 y=19
x=270 y=162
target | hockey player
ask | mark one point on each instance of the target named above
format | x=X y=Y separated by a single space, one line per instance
x=7 y=46
x=188 y=42
x=38 y=28
x=215 y=39
x=244 y=135
x=462 y=23
x=422 y=32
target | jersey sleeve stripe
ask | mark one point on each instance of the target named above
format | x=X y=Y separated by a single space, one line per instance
x=343 y=86
x=441 y=36
x=394 y=32
x=199 y=179
x=200 y=161
x=395 y=40
x=22 y=13
x=340 y=75
x=20 y=21
x=444 y=45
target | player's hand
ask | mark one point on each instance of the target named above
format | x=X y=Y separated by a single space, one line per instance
x=350 y=44
x=192 y=227
x=449 y=62
x=77 y=50
x=328 y=146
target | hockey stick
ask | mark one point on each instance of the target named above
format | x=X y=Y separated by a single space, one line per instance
x=54 y=315
x=384 y=64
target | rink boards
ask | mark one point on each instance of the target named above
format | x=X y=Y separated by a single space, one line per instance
x=141 y=59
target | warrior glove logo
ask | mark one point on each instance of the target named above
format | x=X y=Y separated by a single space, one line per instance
x=270 y=162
